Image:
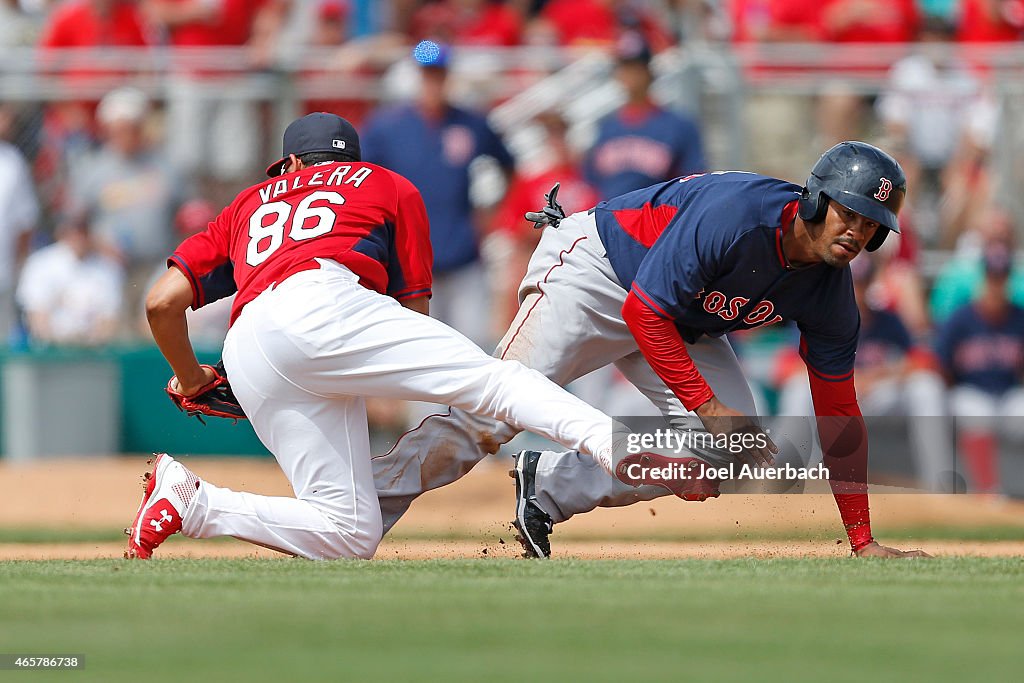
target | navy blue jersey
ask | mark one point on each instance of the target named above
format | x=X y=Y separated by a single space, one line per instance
x=633 y=151
x=435 y=156
x=977 y=352
x=883 y=339
x=706 y=252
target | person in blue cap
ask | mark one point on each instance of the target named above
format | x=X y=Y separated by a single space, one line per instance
x=432 y=142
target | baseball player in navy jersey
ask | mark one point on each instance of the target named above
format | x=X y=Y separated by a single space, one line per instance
x=331 y=261
x=640 y=143
x=652 y=281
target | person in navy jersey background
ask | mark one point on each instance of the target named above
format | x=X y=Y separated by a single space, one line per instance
x=640 y=144
x=432 y=142
x=981 y=347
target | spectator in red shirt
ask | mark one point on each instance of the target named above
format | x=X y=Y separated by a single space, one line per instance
x=339 y=71
x=206 y=23
x=597 y=22
x=990 y=21
x=556 y=164
x=94 y=23
x=787 y=21
x=69 y=129
x=468 y=22
x=209 y=134
x=331 y=27
x=869 y=21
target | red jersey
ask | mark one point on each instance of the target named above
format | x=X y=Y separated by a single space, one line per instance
x=775 y=20
x=232 y=25
x=76 y=24
x=870 y=21
x=979 y=24
x=365 y=217
x=595 y=22
x=487 y=25
x=526 y=194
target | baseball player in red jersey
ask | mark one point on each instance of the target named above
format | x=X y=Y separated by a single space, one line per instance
x=331 y=261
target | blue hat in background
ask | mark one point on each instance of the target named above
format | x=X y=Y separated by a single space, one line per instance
x=430 y=54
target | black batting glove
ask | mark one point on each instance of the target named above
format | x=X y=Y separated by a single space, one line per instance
x=551 y=214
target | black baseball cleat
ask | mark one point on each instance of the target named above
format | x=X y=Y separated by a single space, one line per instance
x=533 y=524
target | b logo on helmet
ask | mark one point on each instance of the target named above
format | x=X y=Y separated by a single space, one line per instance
x=884 y=188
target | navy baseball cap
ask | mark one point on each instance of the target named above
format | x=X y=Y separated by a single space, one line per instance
x=632 y=48
x=319 y=132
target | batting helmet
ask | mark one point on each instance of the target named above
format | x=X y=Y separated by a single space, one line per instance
x=862 y=178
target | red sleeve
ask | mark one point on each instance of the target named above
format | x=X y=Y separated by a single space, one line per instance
x=661 y=345
x=413 y=253
x=205 y=260
x=134 y=30
x=509 y=219
x=844 y=443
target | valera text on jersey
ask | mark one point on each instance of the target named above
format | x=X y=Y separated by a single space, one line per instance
x=333 y=177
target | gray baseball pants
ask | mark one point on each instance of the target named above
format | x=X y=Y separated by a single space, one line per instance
x=569 y=323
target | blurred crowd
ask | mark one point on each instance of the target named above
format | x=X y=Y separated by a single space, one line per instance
x=96 y=191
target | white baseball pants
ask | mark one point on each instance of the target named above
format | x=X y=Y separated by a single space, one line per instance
x=569 y=324
x=302 y=356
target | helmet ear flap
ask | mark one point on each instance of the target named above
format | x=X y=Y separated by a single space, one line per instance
x=877 y=239
x=812 y=208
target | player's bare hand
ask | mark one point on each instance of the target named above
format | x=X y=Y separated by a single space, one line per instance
x=204 y=375
x=875 y=549
x=720 y=419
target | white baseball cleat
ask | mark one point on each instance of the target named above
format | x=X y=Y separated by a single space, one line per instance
x=170 y=487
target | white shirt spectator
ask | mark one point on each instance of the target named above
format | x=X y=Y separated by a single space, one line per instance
x=80 y=297
x=929 y=102
x=19 y=212
x=19 y=209
x=16 y=28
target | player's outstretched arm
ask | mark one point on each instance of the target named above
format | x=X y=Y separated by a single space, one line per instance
x=166 y=304
x=843 y=437
x=719 y=418
x=875 y=549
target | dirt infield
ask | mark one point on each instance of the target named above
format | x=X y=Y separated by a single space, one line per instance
x=65 y=496
x=404 y=549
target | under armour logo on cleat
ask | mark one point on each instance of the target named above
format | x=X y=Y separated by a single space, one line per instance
x=158 y=523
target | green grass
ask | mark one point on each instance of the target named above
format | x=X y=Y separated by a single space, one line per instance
x=505 y=620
